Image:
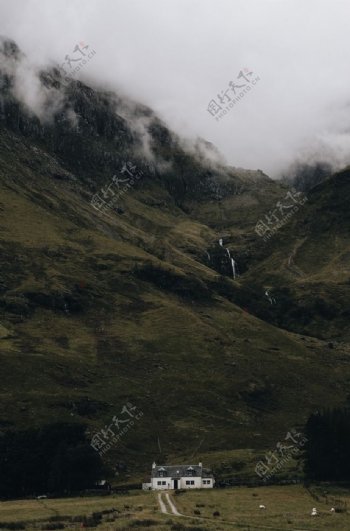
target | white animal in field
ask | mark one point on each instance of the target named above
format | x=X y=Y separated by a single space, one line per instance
x=262 y=507
x=332 y=510
x=314 y=512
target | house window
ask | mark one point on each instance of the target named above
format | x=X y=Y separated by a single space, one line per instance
x=159 y=482
x=188 y=482
x=163 y=482
x=206 y=481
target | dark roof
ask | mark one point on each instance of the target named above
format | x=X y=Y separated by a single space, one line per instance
x=178 y=471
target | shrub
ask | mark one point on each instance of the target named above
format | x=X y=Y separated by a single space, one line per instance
x=53 y=526
x=78 y=518
x=178 y=527
x=57 y=518
x=11 y=525
x=147 y=522
x=216 y=513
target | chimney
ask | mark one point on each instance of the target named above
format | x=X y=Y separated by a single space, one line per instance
x=154 y=465
x=200 y=464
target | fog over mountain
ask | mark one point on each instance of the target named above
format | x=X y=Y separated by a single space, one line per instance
x=177 y=56
x=174 y=264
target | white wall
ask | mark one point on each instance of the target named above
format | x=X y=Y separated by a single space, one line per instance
x=197 y=483
x=208 y=485
x=169 y=483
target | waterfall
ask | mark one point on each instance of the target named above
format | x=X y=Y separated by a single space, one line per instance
x=272 y=300
x=232 y=261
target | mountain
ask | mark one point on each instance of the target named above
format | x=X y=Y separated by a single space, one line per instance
x=307 y=265
x=304 y=177
x=138 y=303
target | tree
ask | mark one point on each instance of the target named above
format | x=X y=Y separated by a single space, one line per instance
x=327 y=451
x=55 y=458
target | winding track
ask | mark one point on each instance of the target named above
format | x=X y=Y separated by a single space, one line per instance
x=162 y=505
x=175 y=512
x=172 y=505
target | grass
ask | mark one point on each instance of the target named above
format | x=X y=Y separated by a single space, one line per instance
x=287 y=507
x=31 y=512
x=210 y=378
x=220 y=378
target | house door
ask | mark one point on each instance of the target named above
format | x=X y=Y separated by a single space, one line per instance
x=176 y=482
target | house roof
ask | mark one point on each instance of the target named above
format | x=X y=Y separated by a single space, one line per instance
x=178 y=471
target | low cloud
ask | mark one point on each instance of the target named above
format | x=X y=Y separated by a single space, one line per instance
x=26 y=84
x=176 y=56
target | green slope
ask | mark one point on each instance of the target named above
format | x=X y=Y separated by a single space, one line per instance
x=100 y=310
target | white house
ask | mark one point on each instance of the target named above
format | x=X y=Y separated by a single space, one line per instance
x=166 y=477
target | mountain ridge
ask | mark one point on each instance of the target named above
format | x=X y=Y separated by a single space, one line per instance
x=139 y=305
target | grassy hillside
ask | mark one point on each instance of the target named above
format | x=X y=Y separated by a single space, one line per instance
x=139 y=305
x=307 y=265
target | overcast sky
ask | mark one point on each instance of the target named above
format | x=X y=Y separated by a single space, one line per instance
x=177 y=55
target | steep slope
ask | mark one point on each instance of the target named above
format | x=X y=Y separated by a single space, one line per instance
x=98 y=310
x=306 y=265
x=93 y=319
